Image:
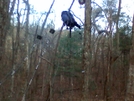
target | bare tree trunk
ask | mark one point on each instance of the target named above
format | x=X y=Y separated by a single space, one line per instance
x=109 y=51
x=130 y=83
x=15 y=46
x=87 y=55
x=117 y=21
x=27 y=45
x=5 y=14
x=27 y=33
x=4 y=25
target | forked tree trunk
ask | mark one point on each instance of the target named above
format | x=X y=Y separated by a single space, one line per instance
x=130 y=83
x=87 y=51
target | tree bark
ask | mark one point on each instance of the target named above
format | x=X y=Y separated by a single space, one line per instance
x=27 y=46
x=117 y=21
x=87 y=51
x=4 y=25
x=130 y=83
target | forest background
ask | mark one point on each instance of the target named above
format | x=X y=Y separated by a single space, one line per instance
x=95 y=64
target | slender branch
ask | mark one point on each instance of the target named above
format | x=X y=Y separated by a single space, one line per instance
x=71 y=5
x=46 y=60
x=101 y=9
x=46 y=17
x=77 y=18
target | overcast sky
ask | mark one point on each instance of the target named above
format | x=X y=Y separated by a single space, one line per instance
x=60 y=5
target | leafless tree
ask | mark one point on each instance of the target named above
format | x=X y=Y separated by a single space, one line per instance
x=4 y=23
x=117 y=21
x=130 y=83
x=87 y=54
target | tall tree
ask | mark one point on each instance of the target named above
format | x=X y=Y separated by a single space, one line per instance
x=130 y=84
x=117 y=21
x=27 y=43
x=87 y=50
x=4 y=24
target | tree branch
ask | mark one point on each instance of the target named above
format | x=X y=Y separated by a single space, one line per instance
x=71 y=5
x=46 y=17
